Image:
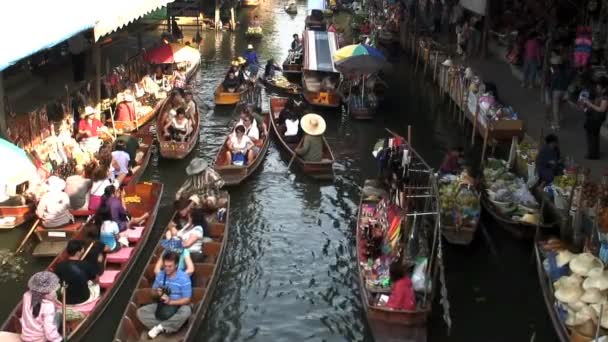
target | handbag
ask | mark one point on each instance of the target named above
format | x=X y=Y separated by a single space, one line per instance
x=163 y=311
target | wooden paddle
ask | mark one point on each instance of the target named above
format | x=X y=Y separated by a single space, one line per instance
x=294 y=154
x=27 y=236
x=64 y=333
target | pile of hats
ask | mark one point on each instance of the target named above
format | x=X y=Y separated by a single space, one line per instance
x=583 y=292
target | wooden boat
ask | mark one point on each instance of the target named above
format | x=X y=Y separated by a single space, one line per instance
x=315 y=21
x=317 y=170
x=361 y=113
x=145 y=150
x=235 y=174
x=176 y=149
x=14 y=216
x=254 y=32
x=319 y=50
x=205 y=278
x=223 y=97
x=118 y=266
x=250 y=3
x=281 y=87
x=458 y=232
x=292 y=65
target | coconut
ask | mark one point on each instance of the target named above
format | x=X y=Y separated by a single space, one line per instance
x=571 y=280
x=568 y=294
x=583 y=263
x=595 y=272
x=564 y=257
x=577 y=306
x=577 y=318
x=597 y=282
x=592 y=296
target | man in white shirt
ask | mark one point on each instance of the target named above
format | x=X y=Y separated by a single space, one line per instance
x=54 y=206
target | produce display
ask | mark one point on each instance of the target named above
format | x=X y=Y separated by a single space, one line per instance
x=254 y=30
x=281 y=81
x=459 y=201
x=527 y=151
x=579 y=284
x=509 y=193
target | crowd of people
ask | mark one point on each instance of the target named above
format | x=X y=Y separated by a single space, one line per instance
x=243 y=145
x=179 y=117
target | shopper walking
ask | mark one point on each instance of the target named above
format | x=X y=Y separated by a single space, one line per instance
x=557 y=88
x=531 y=60
x=595 y=115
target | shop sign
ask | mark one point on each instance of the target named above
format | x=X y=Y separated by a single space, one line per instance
x=477 y=6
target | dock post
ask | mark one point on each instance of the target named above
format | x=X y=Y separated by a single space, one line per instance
x=217 y=15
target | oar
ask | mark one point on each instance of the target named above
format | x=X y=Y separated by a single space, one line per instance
x=113 y=122
x=294 y=154
x=64 y=287
x=27 y=236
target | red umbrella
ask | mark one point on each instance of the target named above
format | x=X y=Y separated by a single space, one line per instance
x=172 y=53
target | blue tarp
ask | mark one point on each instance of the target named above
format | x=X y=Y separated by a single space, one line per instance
x=32 y=25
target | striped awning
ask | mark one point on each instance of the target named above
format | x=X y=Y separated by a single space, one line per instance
x=119 y=13
x=320 y=47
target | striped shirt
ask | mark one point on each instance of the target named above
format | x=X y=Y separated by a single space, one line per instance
x=180 y=284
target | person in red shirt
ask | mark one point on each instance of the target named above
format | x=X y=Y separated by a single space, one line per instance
x=125 y=111
x=90 y=126
x=402 y=292
x=531 y=60
x=451 y=162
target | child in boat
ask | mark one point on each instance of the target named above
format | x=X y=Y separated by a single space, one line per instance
x=402 y=291
x=38 y=312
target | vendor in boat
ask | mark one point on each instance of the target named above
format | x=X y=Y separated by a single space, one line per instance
x=89 y=129
x=190 y=105
x=452 y=162
x=38 y=312
x=402 y=295
x=548 y=160
x=114 y=200
x=256 y=21
x=202 y=180
x=252 y=61
x=120 y=162
x=77 y=274
x=270 y=68
x=125 y=110
x=54 y=206
x=239 y=146
x=231 y=83
x=311 y=145
x=179 y=127
x=173 y=288
x=296 y=44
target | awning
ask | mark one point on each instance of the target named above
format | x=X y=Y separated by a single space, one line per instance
x=30 y=26
x=118 y=13
x=320 y=49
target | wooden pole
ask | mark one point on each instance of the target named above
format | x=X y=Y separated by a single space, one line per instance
x=27 y=236
x=232 y=21
x=217 y=15
x=97 y=63
x=475 y=118
x=295 y=154
x=486 y=31
x=409 y=134
x=435 y=66
x=417 y=57
x=485 y=144
x=64 y=329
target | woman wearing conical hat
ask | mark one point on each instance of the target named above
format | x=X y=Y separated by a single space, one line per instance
x=202 y=181
x=311 y=147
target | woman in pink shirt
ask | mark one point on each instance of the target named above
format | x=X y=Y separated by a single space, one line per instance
x=531 y=60
x=38 y=314
x=402 y=295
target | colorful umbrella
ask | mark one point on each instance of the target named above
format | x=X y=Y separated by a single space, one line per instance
x=359 y=58
x=172 y=53
x=21 y=167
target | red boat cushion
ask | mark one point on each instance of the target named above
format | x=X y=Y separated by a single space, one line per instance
x=135 y=234
x=107 y=278
x=121 y=256
x=82 y=213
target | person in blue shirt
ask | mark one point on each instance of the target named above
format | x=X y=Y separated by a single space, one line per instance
x=252 y=60
x=173 y=288
x=548 y=160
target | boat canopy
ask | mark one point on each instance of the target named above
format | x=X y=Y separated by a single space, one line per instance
x=320 y=47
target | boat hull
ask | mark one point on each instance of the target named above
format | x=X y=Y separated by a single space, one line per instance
x=21 y=213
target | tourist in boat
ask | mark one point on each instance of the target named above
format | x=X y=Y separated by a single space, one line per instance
x=131 y=146
x=89 y=129
x=270 y=68
x=38 y=312
x=79 y=275
x=179 y=78
x=77 y=187
x=54 y=207
x=402 y=290
x=192 y=233
x=113 y=198
x=251 y=127
x=190 y=105
x=548 y=161
x=291 y=128
x=239 y=147
x=178 y=128
x=202 y=180
x=120 y=162
x=452 y=162
x=109 y=233
x=173 y=244
x=101 y=180
x=174 y=293
x=311 y=146
x=296 y=44
x=231 y=83
x=252 y=60
x=125 y=110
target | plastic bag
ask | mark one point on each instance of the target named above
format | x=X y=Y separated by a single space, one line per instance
x=419 y=277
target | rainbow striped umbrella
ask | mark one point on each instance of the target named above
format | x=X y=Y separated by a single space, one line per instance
x=359 y=58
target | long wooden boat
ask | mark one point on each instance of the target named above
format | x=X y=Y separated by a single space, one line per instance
x=317 y=170
x=458 y=231
x=223 y=97
x=290 y=89
x=145 y=150
x=235 y=174
x=205 y=278
x=118 y=265
x=176 y=149
x=319 y=50
x=546 y=286
x=14 y=216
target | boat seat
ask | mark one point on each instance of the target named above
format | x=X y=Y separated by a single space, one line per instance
x=212 y=249
x=202 y=273
x=82 y=213
x=143 y=283
x=197 y=295
x=71 y=227
x=107 y=278
x=216 y=230
x=144 y=296
x=133 y=235
x=121 y=256
x=149 y=273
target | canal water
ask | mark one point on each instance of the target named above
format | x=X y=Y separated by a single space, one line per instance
x=290 y=273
